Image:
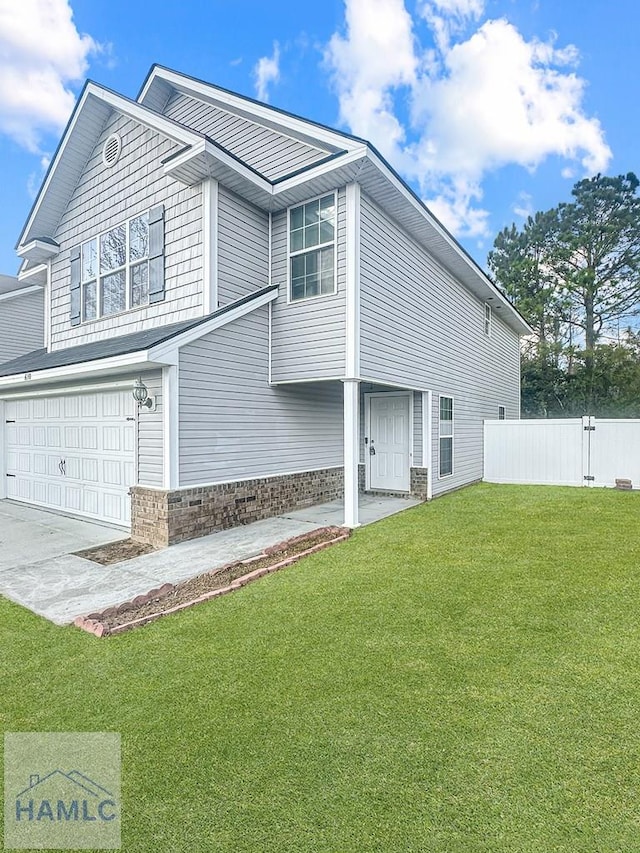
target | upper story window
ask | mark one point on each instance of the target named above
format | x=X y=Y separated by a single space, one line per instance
x=487 y=319
x=114 y=269
x=120 y=269
x=502 y=413
x=312 y=250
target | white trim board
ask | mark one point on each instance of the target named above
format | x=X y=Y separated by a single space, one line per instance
x=25 y=291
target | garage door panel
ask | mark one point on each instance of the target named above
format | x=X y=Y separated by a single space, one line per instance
x=40 y=463
x=72 y=437
x=111 y=407
x=112 y=473
x=54 y=495
x=73 y=467
x=112 y=507
x=54 y=437
x=73 y=453
x=90 y=438
x=111 y=439
x=73 y=498
x=90 y=501
x=90 y=470
x=24 y=488
x=89 y=406
x=71 y=408
x=53 y=407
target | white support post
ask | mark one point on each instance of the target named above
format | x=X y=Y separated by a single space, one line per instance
x=171 y=424
x=351 y=455
x=427 y=439
x=352 y=343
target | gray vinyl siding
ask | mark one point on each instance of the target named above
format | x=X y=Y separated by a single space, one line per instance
x=421 y=328
x=308 y=336
x=234 y=426
x=150 y=435
x=106 y=197
x=243 y=247
x=21 y=325
x=268 y=152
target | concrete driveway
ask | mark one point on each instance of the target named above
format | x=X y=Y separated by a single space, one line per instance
x=29 y=535
x=38 y=570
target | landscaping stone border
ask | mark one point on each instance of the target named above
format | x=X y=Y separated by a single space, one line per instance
x=94 y=622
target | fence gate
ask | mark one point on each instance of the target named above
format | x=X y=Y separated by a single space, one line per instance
x=563 y=452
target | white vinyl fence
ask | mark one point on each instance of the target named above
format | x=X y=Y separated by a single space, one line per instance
x=571 y=452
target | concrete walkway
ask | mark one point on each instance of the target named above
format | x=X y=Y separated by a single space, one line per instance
x=63 y=586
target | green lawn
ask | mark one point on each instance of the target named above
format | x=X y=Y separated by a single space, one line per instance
x=462 y=677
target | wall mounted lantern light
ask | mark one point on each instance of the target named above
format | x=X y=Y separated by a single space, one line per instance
x=141 y=394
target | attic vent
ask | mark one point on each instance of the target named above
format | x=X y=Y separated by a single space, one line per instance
x=111 y=150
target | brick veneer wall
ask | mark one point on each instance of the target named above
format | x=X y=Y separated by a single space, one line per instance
x=419 y=480
x=161 y=517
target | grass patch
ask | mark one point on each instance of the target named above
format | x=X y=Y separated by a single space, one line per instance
x=460 y=677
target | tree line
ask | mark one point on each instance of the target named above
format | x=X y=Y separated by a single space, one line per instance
x=573 y=272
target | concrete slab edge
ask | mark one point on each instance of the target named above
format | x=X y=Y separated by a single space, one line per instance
x=94 y=624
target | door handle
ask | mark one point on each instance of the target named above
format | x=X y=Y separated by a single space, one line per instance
x=372 y=450
x=62 y=467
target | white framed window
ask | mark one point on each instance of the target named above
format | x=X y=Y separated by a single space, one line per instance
x=487 y=319
x=445 y=437
x=114 y=269
x=502 y=413
x=312 y=248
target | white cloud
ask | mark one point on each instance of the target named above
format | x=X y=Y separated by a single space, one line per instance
x=41 y=54
x=267 y=71
x=523 y=206
x=35 y=178
x=375 y=58
x=480 y=97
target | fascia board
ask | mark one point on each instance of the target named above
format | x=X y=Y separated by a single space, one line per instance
x=115 y=364
x=204 y=146
x=169 y=349
x=37 y=250
x=308 y=175
x=23 y=291
x=145 y=116
x=26 y=274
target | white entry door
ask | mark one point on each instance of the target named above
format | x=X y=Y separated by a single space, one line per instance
x=73 y=453
x=388 y=442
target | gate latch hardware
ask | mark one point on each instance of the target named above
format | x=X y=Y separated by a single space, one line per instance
x=589 y=429
x=11 y=475
x=9 y=422
x=589 y=477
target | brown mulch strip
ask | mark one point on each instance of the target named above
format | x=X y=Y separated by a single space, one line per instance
x=157 y=602
x=115 y=552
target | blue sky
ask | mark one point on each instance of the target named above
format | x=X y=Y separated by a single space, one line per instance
x=490 y=108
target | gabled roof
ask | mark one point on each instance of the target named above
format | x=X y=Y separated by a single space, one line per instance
x=199 y=157
x=161 y=82
x=155 y=342
x=95 y=105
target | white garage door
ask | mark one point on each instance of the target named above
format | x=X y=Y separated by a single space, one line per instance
x=73 y=453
